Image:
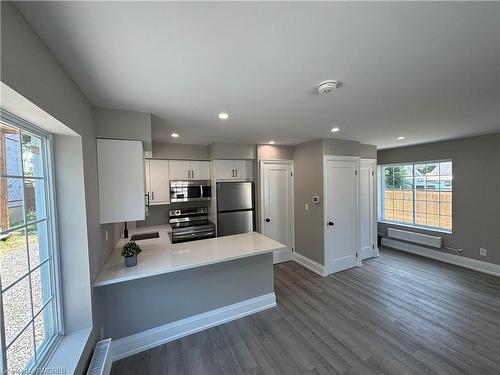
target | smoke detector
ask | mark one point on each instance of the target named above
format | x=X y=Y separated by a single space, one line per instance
x=327 y=87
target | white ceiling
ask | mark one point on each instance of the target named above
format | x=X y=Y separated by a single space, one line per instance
x=426 y=71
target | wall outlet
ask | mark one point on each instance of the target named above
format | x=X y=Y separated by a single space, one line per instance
x=482 y=252
x=306 y=207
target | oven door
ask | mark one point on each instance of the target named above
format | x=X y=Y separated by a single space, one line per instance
x=185 y=191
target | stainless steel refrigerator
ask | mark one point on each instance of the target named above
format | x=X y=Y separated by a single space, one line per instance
x=235 y=208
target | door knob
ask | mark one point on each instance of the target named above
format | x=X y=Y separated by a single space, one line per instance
x=268 y=220
x=330 y=223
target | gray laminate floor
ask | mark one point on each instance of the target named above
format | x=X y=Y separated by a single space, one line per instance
x=398 y=314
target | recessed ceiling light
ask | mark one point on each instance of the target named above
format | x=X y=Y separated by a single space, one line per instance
x=223 y=116
x=400 y=138
x=271 y=142
x=335 y=130
x=174 y=135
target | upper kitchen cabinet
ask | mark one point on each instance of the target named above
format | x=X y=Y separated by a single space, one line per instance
x=120 y=171
x=157 y=181
x=189 y=170
x=240 y=170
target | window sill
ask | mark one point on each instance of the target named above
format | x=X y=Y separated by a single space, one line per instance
x=416 y=227
x=67 y=354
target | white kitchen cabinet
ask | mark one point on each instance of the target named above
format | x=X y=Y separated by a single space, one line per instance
x=120 y=172
x=158 y=185
x=189 y=170
x=224 y=169
x=238 y=170
x=180 y=169
x=243 y=169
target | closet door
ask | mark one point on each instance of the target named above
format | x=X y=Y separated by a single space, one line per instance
x=341 y=217
x=367 y=207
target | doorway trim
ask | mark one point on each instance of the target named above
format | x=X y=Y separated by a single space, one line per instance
x=375 y=203
x=263 y=162
x=356 y=159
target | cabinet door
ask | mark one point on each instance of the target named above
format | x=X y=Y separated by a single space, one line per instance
x=224 y=169
x=243 y=169
x=200 y=170
x=180 y=169
x=159 y=187
x=120 y=173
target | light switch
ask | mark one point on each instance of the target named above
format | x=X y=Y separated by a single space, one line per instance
x=306 y=206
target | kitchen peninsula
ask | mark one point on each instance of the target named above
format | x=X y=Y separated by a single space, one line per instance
x=178 y=289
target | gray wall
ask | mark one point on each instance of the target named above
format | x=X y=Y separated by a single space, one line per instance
x=179 y=151
x=138 y=305
x=308 y=181
x=232 y=151
x=28 y=67
x=275 y=152
x=113 y=123
x=308 y=161
x=368 y=151
x=476 y=188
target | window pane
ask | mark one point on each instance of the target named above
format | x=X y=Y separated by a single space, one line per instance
x=445 y=209
x=432 y=220
x=44 y=329
x=10 y=148
x=38 y=243
x=399 y=216
x=16 y=308
x=21 y=352
x=433 y=208
x=11 y=203
x=13 y=257
x=408 y=217
x=41 y=287
x=389 y=177
x=398 y=204
x=420 y=218
x=445 y=168
x=446 y=183
x=421 y=207
x=408 y=205
x=32 y=155
x=445 y=196
x=445 y=222
x=432 y=196
x=389 y=215
x=34 y=191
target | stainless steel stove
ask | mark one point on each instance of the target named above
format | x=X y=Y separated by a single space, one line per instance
x=189 y=224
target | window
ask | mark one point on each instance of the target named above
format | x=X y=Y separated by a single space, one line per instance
x=417 y=194
x=30 y=318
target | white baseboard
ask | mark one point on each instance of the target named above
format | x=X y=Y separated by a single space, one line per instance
x=473 y=264
x=141 y=341
x=281 y=256
x=309 y=264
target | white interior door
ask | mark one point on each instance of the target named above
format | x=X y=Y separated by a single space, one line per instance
x=277 y=206
x=366 y=201
x=341 y=217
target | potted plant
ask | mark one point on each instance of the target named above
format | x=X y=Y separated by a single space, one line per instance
x=129 y=252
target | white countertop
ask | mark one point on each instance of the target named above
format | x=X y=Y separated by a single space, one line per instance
x=159 y=256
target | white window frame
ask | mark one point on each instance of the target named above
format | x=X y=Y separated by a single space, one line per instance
x=53 y=239
x=380 y=199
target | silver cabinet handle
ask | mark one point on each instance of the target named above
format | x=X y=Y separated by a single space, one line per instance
x=236 y=173
x=232 y=171
x=152 y=195
x=189 y=172
x=192 y=173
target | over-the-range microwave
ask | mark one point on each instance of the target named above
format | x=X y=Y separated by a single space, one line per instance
x=191 y=190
